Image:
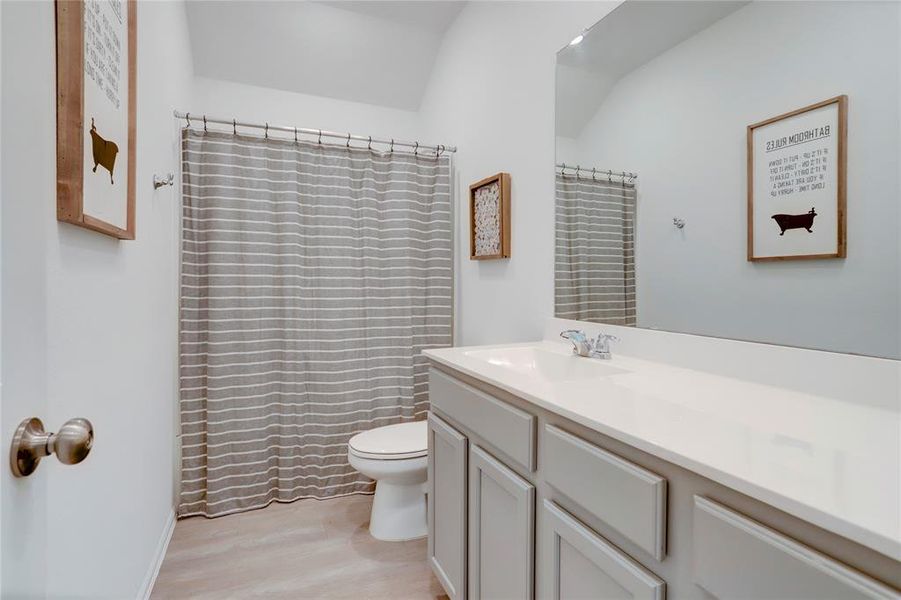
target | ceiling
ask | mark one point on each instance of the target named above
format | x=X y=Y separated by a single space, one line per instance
x=630 y=36
x=375 y=52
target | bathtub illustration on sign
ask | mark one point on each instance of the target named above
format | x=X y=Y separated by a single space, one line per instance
x=804 y=221
x=105 y=152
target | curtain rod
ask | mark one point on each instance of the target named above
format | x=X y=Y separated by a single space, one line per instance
x=598 y=172
x=318 y=133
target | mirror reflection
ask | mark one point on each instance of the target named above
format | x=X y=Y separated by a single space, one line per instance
x=731 y=169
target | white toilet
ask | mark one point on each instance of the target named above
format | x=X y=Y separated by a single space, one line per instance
x=396 y=456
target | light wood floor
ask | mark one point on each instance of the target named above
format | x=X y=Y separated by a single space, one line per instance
x=306 y=549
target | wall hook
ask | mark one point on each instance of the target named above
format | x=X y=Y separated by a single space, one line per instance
x=679 y=223
x=159 y=182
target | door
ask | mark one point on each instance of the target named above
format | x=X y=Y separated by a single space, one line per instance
x=23 y=502
x=580 y=564
x=447 y=506
x=501 y=530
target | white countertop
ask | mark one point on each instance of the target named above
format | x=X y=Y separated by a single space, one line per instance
x=830 y=462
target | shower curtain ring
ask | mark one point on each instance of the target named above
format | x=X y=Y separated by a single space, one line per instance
x=320 y=136
x=416 y=149
x=593 y=169
x=391 y=149
x=370 y=143
x=234 y=127
x=609 y=176
x=204 y=124
x=347 y=143
x=295 y=135
x=188 y=119
x=267 y=131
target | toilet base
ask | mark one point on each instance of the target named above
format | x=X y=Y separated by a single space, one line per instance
x=398 y=512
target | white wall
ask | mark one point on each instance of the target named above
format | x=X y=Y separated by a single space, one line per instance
x=679 y=121
x=492 y=94
x=89 y=325
x=259 y=104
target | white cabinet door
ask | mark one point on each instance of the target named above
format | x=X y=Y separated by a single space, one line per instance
x=447 y=506
x=582 y=565
x=501 y=530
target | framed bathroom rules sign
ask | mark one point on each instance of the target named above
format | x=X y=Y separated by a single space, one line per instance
x=96 y=45
x=797 y=172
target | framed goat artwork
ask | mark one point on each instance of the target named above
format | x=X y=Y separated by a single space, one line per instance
x=96 y=44
x=797 y=183
x=489 y=218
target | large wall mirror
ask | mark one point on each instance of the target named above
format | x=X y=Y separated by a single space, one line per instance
x=731 y=169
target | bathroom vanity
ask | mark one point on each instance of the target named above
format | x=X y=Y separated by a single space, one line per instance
x=557 y=476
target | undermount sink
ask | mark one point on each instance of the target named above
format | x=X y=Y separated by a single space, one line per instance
x=547 y=365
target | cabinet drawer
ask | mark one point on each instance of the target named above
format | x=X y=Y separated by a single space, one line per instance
x=503 y=426
x=582 y=564
x=628 y=498
x=735 y=557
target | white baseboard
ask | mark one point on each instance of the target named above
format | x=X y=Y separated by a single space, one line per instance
x=154 y=569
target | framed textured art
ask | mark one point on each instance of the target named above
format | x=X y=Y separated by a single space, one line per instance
x=797 y=183
x=489 y=218
x=96 y=46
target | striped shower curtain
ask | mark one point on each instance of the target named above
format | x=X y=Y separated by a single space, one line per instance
x=594 y=270
x=312 y=277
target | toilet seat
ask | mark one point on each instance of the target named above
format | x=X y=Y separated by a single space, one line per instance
x=391 y=442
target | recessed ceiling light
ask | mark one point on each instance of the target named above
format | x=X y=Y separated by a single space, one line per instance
x=577 y=39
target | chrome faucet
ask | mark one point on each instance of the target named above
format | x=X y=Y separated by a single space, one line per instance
x=579 y=340
x=582 y=346
x=600 y=348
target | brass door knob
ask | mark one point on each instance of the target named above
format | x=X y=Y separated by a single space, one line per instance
x=31 y=443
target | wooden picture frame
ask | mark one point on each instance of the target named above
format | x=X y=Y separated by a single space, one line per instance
x=806 y=166
x=489 y=232
x=73 y=123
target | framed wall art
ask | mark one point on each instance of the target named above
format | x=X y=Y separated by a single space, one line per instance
x=489 y=218
x=797 y=183
x=96 y=45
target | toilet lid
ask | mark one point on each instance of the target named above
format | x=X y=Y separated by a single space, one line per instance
x=392 y=442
